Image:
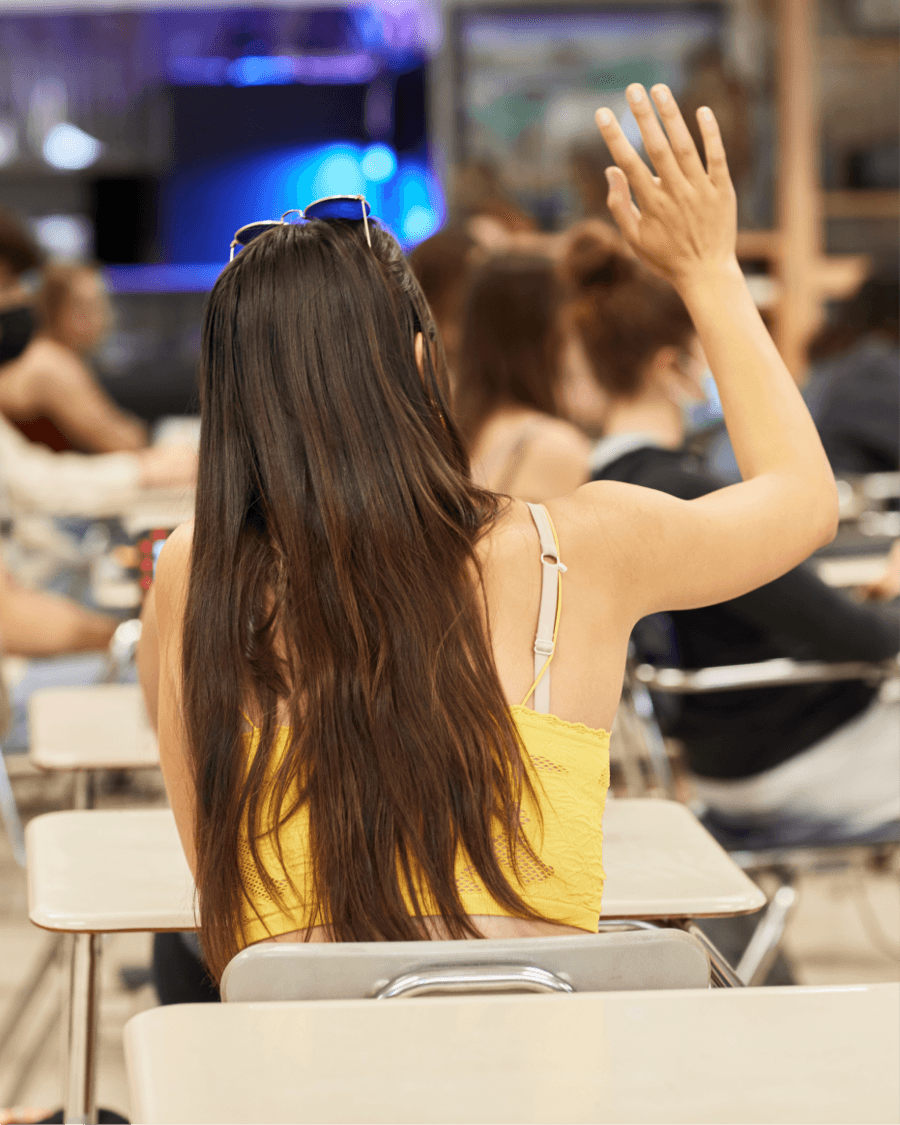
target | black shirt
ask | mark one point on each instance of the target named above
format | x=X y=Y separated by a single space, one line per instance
x=736 y=734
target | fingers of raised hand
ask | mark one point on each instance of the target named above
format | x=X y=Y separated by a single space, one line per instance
x=680 y=139
x=639 y=175
x=656 y=142
x=621 y=208
x=716 y=162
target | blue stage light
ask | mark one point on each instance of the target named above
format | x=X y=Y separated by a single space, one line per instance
x=379 y=163
x=237 y=190
x=262 y=70
x=338 y=173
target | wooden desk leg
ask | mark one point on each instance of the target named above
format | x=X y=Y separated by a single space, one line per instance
x=81 y=1062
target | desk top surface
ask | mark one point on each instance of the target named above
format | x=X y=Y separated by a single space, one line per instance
x=103 y=726
x=105 y=871
x=743 y=1055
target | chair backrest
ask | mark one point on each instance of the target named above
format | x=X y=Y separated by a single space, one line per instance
x=606 y=962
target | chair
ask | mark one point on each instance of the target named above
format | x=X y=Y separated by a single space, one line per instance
x=607 y=962
x=757 y=851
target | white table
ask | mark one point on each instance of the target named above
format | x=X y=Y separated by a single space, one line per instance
x=99 y=726
x=164 y=507
x=851 y=570
x=754 y=1055
x=96 y=872
x=118 y=870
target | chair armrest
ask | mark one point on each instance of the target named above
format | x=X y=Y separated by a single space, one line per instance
x=767 y=673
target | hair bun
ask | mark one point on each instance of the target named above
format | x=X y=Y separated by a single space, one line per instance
x=596 y=256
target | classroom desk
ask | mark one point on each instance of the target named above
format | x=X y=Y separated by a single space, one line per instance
x=101 y=726
x=753 y=1055
x=166 y=508
x=119 y=870
x=851 y=570
x=99 y=872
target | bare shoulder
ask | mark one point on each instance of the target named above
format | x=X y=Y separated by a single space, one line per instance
x=172 y=570
x=557 y=436
x=610 y=520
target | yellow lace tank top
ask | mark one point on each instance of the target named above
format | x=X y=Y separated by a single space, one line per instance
x=568 y=764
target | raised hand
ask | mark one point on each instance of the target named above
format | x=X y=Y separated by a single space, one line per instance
x=685 y=222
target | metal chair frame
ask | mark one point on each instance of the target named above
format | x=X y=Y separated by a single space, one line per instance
x=785 y=863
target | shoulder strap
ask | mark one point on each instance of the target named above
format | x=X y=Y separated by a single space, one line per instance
x=548 y=614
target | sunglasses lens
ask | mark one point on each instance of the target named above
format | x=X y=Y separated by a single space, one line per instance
x=341 y=207
x=253 y=230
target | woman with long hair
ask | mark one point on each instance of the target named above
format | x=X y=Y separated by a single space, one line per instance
x=508 y=388
x=342 y=645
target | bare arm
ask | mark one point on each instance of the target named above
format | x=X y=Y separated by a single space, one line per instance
x=159 y=665
x=66 y=392
x=148 y=657
x=33 y=623
x=678 y=554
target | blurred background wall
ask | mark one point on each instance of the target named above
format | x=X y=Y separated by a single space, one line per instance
x=142 y=135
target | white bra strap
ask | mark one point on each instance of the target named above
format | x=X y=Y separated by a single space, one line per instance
x=544 y=641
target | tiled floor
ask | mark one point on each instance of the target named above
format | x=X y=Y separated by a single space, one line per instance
x=845 y=930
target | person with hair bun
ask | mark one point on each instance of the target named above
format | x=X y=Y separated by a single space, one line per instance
x=509 y=382
x=345 y=650
x=801 y=763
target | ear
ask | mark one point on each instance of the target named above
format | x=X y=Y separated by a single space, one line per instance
x=419 y=345
x=677 y=375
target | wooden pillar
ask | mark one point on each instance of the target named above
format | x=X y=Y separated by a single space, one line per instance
x=799 y=197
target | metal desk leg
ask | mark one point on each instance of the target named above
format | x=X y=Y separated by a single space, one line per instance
x=85 y=789
x=723 y=975
x=81 y=1059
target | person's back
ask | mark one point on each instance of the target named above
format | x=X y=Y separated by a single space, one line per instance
x=347 y=634
x=508 y=394
x=853 y=389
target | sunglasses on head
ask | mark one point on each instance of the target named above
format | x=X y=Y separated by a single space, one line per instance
x=351 y=207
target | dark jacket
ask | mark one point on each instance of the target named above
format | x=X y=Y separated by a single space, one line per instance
x=737 y=734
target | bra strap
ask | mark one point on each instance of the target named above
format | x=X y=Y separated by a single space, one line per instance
x=548 y=616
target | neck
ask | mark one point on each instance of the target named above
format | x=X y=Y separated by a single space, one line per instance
x=657 y=416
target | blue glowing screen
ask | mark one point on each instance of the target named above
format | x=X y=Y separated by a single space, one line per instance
x=207 y=203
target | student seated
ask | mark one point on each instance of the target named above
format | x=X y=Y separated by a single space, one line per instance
x=813 y=762
x=355 y=739
x=35 y=480
x=48 y=391
x=443 y=266
x=851 y=388
x=508 y=382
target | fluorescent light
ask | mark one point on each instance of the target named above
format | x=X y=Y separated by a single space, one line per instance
x=68 y=147
x=64 y=236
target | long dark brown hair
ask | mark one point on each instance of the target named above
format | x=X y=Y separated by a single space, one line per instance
x=621 y=311
x=512 y=344
x=334 y=574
